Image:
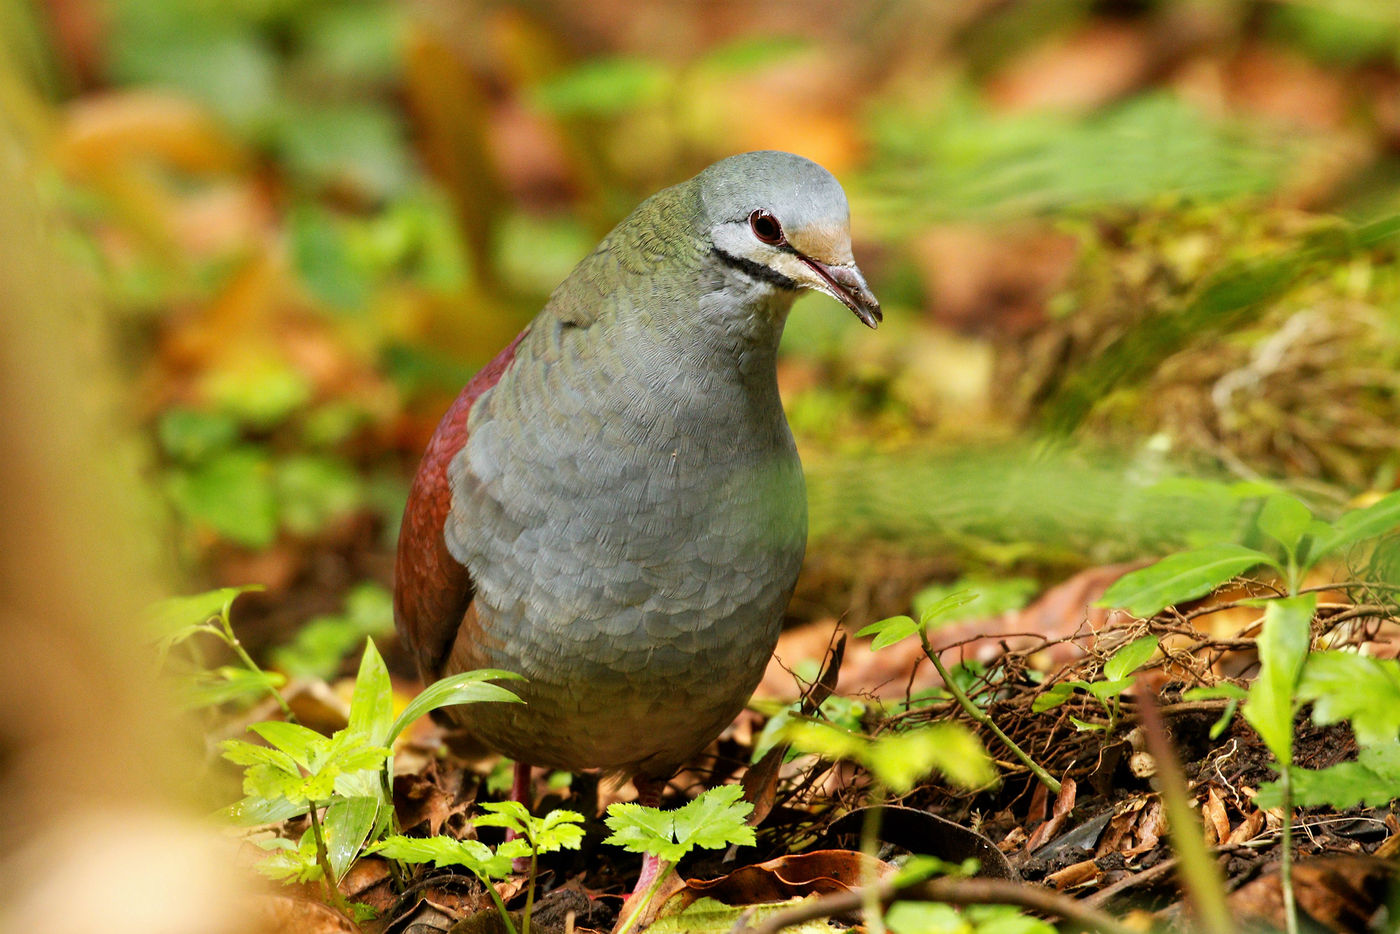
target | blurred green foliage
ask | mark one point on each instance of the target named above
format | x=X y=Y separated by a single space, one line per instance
x=960 y=160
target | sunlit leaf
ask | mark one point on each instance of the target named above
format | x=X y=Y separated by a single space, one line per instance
x=889 y=631
x=1357 y=688
x=469 y=687
x=347 y=825
x=372 y=704
x=177 y=614
x=1130 y=658
x=1283 y=647
x=1180 y=577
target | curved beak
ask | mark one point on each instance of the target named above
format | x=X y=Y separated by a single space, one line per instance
x=846 y=284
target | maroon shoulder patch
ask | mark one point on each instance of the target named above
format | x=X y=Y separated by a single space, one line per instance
x=431 y=590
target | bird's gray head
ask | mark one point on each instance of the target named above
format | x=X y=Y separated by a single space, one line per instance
x=784 y=219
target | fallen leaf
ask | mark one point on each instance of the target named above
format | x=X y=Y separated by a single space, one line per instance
x=1064 y=804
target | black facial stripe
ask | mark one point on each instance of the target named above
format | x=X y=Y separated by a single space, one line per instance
x=756 y=270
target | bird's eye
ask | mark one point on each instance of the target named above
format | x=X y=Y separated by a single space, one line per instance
x=766 y=227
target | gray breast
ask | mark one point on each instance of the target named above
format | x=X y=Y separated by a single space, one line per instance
x=633 y=547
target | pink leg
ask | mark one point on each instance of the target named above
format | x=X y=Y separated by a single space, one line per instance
x=520 y=788
x=520 y=783
x=649 y=795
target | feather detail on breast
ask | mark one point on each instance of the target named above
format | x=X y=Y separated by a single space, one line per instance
x=432 y=591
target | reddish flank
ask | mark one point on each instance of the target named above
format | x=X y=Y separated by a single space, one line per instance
x=432 y=591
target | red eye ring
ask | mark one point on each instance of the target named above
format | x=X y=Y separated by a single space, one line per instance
x=766 y=228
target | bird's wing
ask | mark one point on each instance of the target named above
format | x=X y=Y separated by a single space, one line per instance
x=432 y=591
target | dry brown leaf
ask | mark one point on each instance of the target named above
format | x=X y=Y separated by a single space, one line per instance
x=1342 y=893
x=1248 y=828
x=1064 y=804
x=1216 y=820
x=817 y=873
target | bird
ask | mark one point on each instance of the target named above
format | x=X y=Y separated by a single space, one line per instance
x=614 y=507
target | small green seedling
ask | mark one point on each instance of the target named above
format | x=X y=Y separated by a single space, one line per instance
x=937 y=612
x=714 y=820
x=349 y=774
x=476 y=857
x=301 y=768
x=1118 y=677
x=557 y=830
x=554 y=831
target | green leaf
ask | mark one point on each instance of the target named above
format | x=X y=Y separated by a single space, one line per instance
x=444 y=851
x=372 y=704
x=938 y=918
x=960 y=756
x=714 y=819
x=346 y=826
x=1223 y=689
x=322 y=257
x=708 y=916
x=1103 y=690
x=227 y=683
x=824 y=740
x=1084 y=726
x=559 y=829
x=1056 y=695
x=320 y=645
x=359 y=145
x=993 y=596
x=639 y=829
x=509 y=814
x=315 y=490
x=193 y=435
x=291 y=862
x=944 y=608
x=1377 y=519
x=304 y=745
x=1181 y=577
x=177 y=614
x=257 y=811
x=1130 y=658
x=889 y=631
x=1283 y=647
x=262 y=390
x=242 y=752
x=1347 y=686
x=469 y=687
x=1373 y=779
x=1285 y=520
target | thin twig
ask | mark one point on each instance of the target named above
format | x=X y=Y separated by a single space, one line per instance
x=980 y=715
